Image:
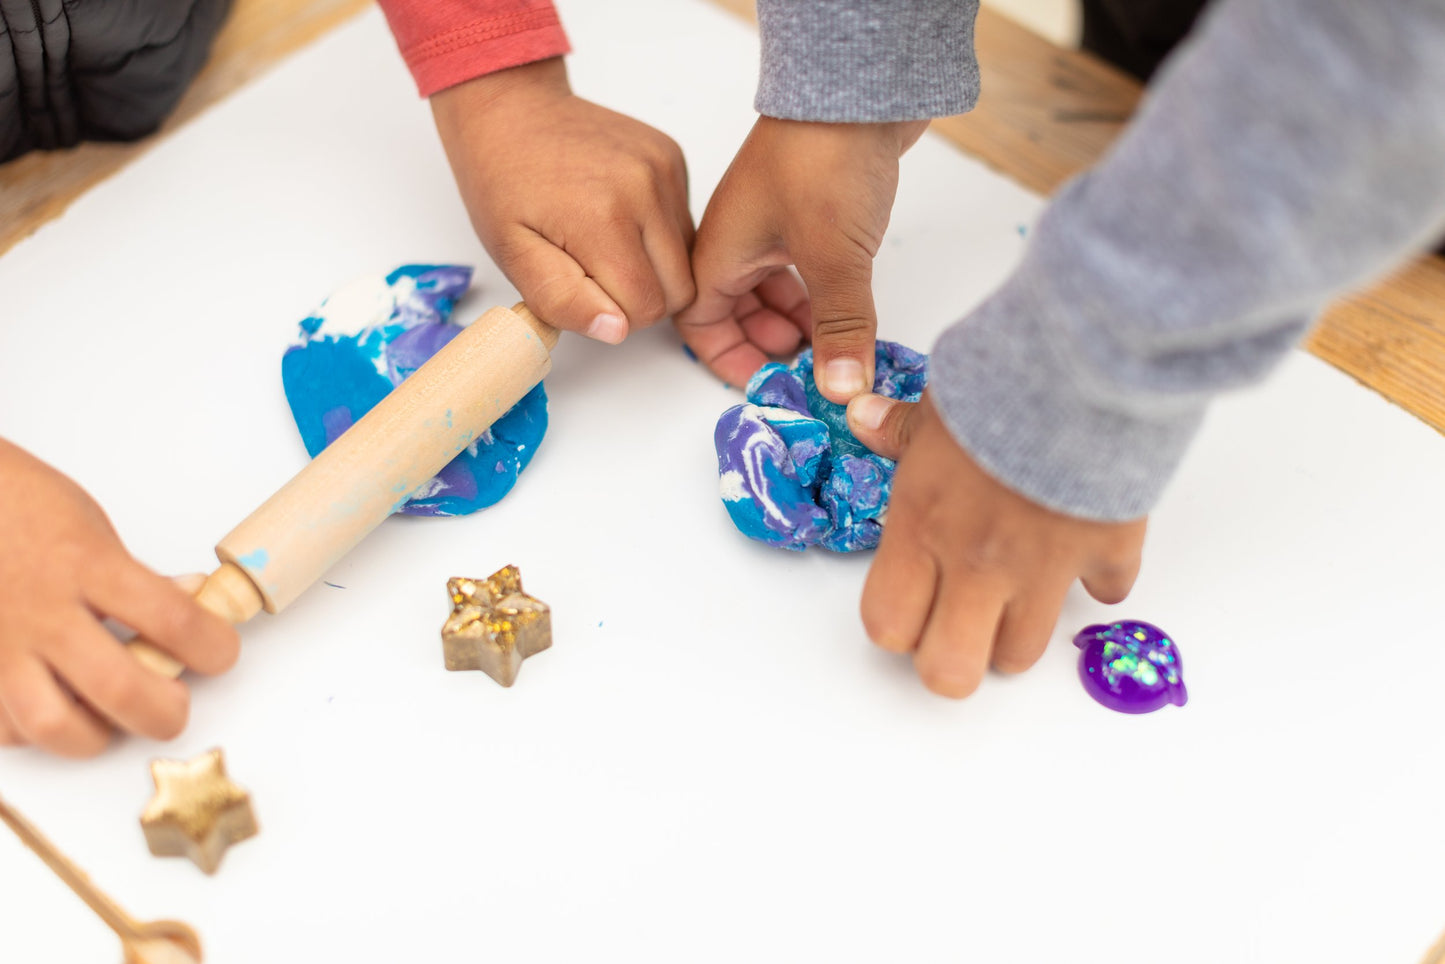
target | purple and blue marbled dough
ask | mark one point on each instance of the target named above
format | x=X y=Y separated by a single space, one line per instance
x=363 y=341
x=792 y=474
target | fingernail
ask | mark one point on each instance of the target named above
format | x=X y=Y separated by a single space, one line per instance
x=609 y=328
x=844 y=376
x=869 y=411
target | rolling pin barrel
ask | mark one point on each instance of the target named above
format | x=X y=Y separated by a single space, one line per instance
x=373 y=467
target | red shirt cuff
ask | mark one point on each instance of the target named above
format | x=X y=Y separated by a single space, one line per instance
x=446 y=42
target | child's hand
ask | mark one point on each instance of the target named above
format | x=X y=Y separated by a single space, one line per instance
x=64 y=678
x=812 y=195
x=584 y=209
x=969 y=572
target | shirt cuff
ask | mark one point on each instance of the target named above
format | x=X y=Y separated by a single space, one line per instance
x=448 y=42
x=1013 y=395
x=866 y=61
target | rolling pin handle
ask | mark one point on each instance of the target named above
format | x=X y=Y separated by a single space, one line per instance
x=228 y=592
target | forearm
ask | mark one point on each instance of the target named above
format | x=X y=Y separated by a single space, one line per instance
x=859 y=61
x=446 y=42
x=1292 y=150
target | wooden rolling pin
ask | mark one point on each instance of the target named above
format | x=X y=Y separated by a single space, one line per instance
x=366 y=474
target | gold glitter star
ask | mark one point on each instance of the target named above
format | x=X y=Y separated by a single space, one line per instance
x=197 y=811
x=494 y=625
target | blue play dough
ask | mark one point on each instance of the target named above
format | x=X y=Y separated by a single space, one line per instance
x=792 y=474
x=363 y=341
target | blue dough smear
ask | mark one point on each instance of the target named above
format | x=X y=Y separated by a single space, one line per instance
x=364 y=341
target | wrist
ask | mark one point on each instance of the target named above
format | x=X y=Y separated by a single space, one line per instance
x=893 y=138
x=516 y=88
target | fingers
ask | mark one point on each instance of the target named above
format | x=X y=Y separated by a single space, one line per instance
x=118 y=687
x=899 y=593
x=558 y=290
x=618 y=282
x=773 y=333
x=164 y=615
x=845 y=324
x=667 y=239
x=1027 y=625
x=714 y=326
x=953 y=653
x=1110 y=583
x=43 y=714
x=1111 y=576
x=883 y=424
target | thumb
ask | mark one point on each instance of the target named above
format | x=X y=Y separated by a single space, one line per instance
x=883 y=424
x=845 y=324
x=559 y=291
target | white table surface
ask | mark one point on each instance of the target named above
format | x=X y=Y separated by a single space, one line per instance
x=711 y=764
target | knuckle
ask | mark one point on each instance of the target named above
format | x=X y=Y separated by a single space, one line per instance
x=842 y=328
x=647 y=305
x=560 y=300
x=987 y=553
x=898 y=426
x=680 y=293
x=117 y=695
x=665 y=155
x=49 y=725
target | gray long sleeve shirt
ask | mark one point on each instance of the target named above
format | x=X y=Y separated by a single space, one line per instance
x=1290 y=150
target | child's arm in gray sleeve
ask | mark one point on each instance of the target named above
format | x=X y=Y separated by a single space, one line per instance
x=1291 y=150
x=861 y=61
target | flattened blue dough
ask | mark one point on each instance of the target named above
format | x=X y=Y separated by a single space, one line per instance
x=790 y=472
x=369 y=336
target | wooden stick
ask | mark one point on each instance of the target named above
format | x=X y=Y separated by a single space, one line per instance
x=366 y=474
x=157 y=942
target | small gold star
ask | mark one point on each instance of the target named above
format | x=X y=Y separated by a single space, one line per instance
x=197 y=811
x=494 y=625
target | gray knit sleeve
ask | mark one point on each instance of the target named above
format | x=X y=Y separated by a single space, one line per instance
x=1291 y=150
x=859 y=61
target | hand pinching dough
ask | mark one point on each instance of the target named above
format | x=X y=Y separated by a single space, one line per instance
x=792 y=474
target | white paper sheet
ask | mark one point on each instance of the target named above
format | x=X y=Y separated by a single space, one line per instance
x=712 y=764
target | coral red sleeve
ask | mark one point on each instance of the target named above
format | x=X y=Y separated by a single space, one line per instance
x=445 y=42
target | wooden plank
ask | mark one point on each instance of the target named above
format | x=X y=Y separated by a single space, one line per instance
x=39 y=187
x=1047 y=113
